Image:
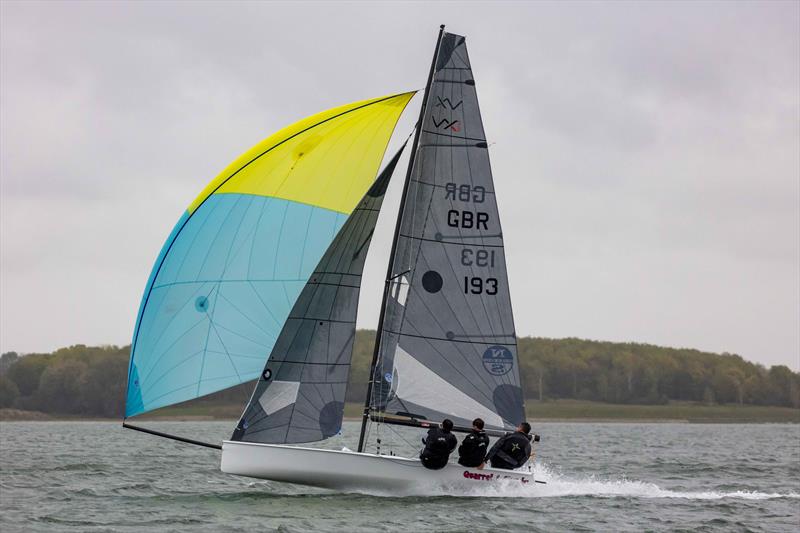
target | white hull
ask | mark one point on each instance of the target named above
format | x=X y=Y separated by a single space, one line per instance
x=345 y=470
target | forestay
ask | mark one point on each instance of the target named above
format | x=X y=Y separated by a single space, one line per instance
x=300 y=394
x=230 y=272
x=448 y=345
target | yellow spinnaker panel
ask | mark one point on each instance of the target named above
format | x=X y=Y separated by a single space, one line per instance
x=326 y=160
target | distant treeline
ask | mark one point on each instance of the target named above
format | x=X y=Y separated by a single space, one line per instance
x=90 y=381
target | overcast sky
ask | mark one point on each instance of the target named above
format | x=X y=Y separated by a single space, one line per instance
x=646 y=156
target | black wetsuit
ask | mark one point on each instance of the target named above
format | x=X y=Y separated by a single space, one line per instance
x=473 y=448
x=510 y=451
x=438 y=446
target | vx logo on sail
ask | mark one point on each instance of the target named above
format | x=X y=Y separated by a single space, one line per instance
x=444 y=124
x=446 y=103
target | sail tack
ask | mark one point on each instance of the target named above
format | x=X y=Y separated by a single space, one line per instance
x=447 y=344
x=300 y=394
x=232 y=268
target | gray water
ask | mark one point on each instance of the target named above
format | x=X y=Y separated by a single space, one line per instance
x=95 y=476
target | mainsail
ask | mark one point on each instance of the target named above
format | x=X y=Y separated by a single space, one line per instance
x=447 y=345
x=233 y=267
x=300 y=394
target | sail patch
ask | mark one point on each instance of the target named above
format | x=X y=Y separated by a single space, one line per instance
x=281 y=394
x=399 y=290
x=330 y=419
x=509 y=403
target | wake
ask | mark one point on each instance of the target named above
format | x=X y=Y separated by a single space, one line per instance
x=558 y=485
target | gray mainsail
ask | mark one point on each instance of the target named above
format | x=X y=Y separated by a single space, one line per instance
x=300 y=394
x=447 y=344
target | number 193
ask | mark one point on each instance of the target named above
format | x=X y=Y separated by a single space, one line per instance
x=478 y=285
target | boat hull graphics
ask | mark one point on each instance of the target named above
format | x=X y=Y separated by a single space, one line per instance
x=352 y=471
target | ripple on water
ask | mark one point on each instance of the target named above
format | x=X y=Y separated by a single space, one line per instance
x=622 y=477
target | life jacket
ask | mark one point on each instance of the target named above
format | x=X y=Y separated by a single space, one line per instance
x=473 y=449
x=511 y=451
x=438 y=445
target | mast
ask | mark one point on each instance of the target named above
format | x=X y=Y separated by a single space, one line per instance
x=388 y=282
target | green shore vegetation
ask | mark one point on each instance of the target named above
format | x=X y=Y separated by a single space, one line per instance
x=564 y=379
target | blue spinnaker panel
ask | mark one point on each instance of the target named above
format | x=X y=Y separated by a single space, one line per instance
x=226 y=283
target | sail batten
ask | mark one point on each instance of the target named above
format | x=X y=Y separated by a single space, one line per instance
x=228 y=275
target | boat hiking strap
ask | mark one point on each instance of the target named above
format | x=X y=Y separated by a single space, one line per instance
x=173 y=437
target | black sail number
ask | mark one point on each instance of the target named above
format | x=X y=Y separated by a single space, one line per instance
x=479 y=257
x=479 y=285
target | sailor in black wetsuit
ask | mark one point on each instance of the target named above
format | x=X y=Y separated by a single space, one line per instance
x=473 y=447
x=512 y=450
x=439 y=443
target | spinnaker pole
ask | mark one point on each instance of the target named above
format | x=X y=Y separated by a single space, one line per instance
x=388 y=283
x=173 y=437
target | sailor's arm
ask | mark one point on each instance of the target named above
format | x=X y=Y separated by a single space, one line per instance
x=491 y=453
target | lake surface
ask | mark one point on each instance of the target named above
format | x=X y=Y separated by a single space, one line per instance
x=96 y=476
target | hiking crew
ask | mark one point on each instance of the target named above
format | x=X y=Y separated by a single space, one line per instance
x=473 y=448
x=439 y=443
x=512 y=450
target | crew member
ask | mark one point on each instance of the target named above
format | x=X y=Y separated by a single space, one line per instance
x=473 y=447
x=512 y=450
x=439 y=443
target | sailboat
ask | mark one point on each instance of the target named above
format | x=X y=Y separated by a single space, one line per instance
x=260 y=280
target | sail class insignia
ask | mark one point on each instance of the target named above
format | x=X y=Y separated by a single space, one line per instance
x=498 y=360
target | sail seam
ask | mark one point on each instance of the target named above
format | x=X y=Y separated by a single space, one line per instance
x=215 y=281
x=263 y=303
x=428 y=183
x=155 y=344
x=456 y=243
x=428 y=337
x=145 y=377
x=453 y=136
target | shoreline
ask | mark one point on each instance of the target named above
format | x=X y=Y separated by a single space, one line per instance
x=532 y=421
x=769 y=415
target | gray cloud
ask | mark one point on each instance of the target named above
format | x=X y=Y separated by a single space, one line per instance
x=647 y=156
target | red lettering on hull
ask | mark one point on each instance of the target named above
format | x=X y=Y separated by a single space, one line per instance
x=490 y=477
